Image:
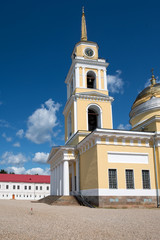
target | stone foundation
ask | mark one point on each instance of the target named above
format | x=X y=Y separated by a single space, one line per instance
x=122 y=201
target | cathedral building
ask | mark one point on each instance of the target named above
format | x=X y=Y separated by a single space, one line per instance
x=104 y=165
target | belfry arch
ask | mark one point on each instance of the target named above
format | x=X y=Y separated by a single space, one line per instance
x=94 y=117
x=91 y=79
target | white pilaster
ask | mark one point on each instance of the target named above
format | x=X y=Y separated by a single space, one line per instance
x=77 y=76
x=77 y=176
x=105 y=80
x=83 y=75
x=73 y=178
x=66 y=178
x=99 y=79
x=75 y=115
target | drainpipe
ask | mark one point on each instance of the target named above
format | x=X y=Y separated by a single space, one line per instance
x=155 y=165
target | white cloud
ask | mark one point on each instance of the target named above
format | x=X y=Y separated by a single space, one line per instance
x=42 y=121
x=124 y=127
x=32 y=171
x=40 y=157
x=10 y=158
x=39 y=171
x=8 y=139
x=20 y=133
x=17 y=144
x=16 y=170
x=115 y=83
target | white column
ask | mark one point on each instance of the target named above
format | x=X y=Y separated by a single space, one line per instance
x=61 y=179
x=55 y=180
x=99 y=79
x=75 y=115
x=77 y=176
x=77 y=76
x=58 y=180
x=73 y=178
x=83 y=74
x=105 y=80
x=66 y=178
x=52 y=182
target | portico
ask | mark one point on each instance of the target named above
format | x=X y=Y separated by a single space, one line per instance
x=64 y=171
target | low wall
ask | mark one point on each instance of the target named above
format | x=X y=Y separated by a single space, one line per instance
x=122 y=201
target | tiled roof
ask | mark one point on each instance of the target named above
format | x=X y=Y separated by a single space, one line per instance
x=24 y=178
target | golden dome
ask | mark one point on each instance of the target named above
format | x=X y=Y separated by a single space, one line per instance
x=151 y=91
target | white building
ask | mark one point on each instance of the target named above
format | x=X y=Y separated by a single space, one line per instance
x=24 y=187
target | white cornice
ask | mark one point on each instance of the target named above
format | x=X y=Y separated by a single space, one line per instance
x=111 y=133
x=87 y=96
x=60 y=154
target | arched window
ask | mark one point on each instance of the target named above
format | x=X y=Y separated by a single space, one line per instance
x=91 y=80
x=69 y=125
x=94 y=117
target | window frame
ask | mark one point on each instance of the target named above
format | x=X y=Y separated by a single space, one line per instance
x=149 y=179
x=111 y=184
x=133 y=186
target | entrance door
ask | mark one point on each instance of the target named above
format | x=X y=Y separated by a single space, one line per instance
x=13 y=196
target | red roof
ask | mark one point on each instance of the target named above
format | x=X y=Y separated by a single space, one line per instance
x=24 y=178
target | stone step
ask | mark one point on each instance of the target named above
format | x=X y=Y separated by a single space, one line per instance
x=59 y=200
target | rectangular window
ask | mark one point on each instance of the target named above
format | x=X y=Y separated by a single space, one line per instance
x=14 y=187
x=29 y=187
x=113 y=178
x=47 y=188
x=25 y=187
x=18 y=187
x=40 y=187
x=7 y=186
x=129 y=179
x=36 y=187
x=146 y=179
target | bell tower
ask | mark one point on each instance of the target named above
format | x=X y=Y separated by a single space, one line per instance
x=88 y=104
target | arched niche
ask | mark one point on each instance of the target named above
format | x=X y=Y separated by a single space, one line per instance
x=91 y=79
x=94 y=117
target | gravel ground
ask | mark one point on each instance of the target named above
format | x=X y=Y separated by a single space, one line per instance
x=74 y=222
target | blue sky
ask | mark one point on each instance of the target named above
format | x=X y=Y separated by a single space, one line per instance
x=36 y=42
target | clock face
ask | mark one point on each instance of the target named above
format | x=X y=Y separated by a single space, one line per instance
x=89 y=52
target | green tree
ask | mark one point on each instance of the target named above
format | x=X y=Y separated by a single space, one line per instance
x=3 y=171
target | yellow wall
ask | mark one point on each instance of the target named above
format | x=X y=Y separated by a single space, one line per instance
x=82 y=113
x=88 y=169
x=80 y=50
x=103 y=166
x=94 y=167
x=71 y=109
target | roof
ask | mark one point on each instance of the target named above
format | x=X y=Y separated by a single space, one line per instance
x=24 y=178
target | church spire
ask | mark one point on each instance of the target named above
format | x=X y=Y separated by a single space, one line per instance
x=83 y=27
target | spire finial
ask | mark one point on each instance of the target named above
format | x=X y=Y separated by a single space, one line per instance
x=153 y=80
x=83 y=27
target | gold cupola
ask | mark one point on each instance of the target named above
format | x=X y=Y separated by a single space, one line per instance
x=145 y=111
